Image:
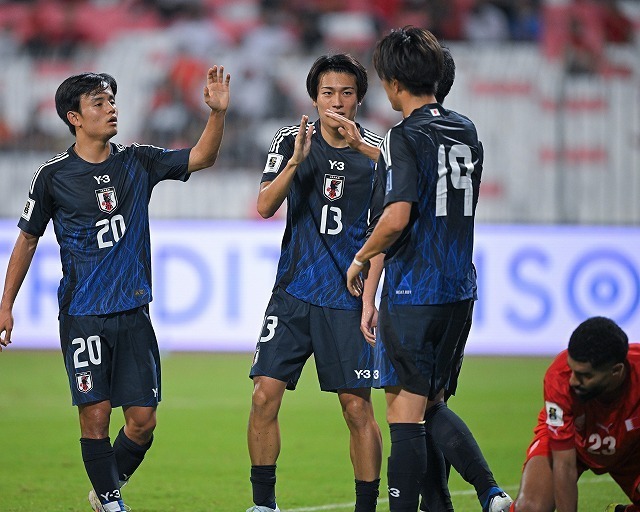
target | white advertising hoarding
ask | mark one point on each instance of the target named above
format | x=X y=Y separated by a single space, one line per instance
x=212 y=281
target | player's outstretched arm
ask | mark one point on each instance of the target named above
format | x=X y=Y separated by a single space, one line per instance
x=19 y=263
x=349 y=130
x=369 y=318
x=393 y=220
x=565 y=480
x=273 y=193
x=216 y=96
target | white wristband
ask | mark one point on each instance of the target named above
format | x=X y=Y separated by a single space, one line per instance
x=358 y=263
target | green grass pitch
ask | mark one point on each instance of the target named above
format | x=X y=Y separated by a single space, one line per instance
x=199 y=461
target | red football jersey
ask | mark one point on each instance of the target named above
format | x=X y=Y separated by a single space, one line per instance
x=606 y=435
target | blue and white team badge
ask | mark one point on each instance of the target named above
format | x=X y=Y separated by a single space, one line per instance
x=333 y=187
x=107 y=200
x=84 y=382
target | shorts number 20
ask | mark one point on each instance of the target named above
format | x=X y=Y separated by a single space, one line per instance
x=92 y=346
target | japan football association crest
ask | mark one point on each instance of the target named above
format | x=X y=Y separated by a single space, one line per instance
x=107 y=200
x=84 y=382
x=333 y=186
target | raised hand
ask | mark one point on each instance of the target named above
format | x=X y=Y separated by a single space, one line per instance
x=302 y=144
x=216 y=92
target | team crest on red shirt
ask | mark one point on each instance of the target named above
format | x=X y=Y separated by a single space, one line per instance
x=107 y=200
x=84 y=382
x=333 y=186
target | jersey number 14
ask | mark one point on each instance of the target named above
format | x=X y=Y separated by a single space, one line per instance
x=457 y=159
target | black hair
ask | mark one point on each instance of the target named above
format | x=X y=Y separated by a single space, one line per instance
x=599 y=341
x=69 y=92
x=338 y=63
x=413 y=57
x=448 y=75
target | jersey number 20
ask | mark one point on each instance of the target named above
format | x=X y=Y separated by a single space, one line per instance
x=117 y=226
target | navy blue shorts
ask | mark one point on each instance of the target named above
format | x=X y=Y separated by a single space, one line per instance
x=424 y=345
x=294 y=329
x=112 y=357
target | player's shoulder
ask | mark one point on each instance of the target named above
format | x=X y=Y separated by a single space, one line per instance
x=285 y=133
x=50 y=167
x=453 y=116
x=634 y=353
x=559 y=364
x=137 y=147
x=371 y=137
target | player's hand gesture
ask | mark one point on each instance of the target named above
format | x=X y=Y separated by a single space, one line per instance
x=6 y=326
x=302 y=144
x=348 y=129
x=216 y=92
x=356 y=274
x=369 y=323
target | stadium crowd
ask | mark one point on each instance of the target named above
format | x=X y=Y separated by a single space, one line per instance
x=58 y=37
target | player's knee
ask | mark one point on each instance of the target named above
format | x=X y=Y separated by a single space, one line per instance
x=264 y=402
x=358 y=413
x=140 y=428
x=526 y=503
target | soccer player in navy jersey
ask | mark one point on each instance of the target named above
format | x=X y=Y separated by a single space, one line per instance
x=97 y=194
x=431 y=164
x=325 y=170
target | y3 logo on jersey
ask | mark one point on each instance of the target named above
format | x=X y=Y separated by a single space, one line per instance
x=102 y=179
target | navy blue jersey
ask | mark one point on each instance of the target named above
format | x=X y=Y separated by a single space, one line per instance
x=101 y=221
x=327 y=213
x=432 y=159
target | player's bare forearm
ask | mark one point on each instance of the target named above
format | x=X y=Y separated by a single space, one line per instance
x=216 y=96
x=205 y=153
x=370 y=151
x=273 y=193
x=565 y=480
x=369 y=318
x=393 y=220
x=373 y=279
x=19 y=263
x=349 y=130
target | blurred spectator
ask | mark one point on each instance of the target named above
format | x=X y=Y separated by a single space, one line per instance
x=584 y=51
x=306 y=22
x=194 y=31
x=255 y=63
x=525 y=23
x=168 y=121
x=51 y=28
x=486 y=22
x=618 y=28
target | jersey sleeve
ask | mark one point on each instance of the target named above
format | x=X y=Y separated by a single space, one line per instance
x=39 y=206
x=400 y=168
x=377 y=200
x=280 y=152
x=164 y=164
x=557 y=406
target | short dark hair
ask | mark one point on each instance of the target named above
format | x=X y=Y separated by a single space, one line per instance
x=448 y=75
x=413 y=57
x=599 y=341
x=338 y=63
x=69 y=92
